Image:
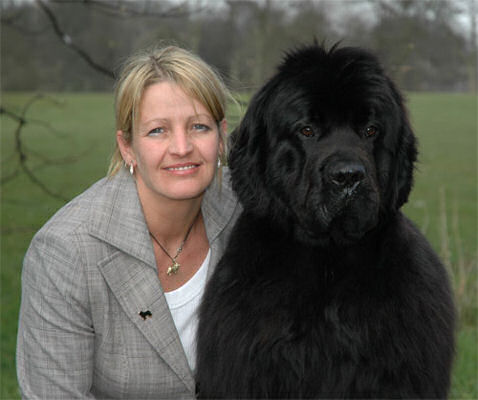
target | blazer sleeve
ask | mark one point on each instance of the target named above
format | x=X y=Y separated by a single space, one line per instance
x=55 y=344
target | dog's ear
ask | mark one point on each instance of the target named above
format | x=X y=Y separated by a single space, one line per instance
x=247 y=156
x=405 y=156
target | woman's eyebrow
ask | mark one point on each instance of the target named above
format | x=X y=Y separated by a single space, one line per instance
x=207 y=116
x=153 y=120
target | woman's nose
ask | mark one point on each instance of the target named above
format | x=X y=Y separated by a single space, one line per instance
x=180 y=143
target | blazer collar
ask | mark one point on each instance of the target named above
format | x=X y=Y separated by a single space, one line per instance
x=116 y=216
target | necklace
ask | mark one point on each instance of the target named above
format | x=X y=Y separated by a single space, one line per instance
x=174 y=267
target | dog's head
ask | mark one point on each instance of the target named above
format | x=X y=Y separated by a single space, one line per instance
x=325 y=148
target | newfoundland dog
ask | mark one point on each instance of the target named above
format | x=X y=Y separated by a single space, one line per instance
x=325 y=290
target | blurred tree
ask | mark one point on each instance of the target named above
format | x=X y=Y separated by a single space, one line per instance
x=53 y=44
x=417 y=43
x=470 y=8
x=310 y=20
x=100 y=33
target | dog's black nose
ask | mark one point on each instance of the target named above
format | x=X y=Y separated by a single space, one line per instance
x=346 y=174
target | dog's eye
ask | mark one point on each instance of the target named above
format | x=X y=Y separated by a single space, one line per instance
x=307 y=131
x=371 y=131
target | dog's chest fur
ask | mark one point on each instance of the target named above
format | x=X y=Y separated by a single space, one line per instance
x=315 y=322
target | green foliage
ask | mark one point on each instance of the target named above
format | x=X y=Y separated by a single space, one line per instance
x=443 y=202
x=79 y=142
x=465 y=384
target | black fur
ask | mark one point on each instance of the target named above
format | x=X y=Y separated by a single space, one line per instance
x=326 y=290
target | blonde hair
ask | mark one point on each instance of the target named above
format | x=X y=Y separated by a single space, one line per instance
x=172 y=64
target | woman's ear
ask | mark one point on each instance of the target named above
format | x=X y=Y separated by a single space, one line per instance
x=223 y=126
x=124 y=147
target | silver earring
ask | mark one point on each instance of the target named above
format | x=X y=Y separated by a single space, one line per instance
x=219 y=163
x=131 y=169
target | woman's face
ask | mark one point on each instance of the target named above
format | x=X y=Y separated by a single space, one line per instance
x=175 y=147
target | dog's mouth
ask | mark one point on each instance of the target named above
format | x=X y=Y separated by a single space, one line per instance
x=339 y=214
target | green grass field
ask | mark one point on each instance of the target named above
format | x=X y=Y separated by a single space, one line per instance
x=73 y=151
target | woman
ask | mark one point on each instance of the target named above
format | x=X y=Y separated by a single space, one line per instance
x=111 y=284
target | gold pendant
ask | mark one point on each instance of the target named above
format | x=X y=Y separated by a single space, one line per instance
x=173 y=269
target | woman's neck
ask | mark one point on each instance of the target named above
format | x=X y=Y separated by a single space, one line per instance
x=169 y=220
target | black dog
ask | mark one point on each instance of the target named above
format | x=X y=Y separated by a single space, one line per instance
x=326 y=290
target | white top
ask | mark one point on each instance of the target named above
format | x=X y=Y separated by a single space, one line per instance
x=184 y=303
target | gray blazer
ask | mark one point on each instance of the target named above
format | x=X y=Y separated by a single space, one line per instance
x=87 y=275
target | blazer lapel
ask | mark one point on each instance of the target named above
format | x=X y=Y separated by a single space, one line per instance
x=117 y=219
x=137 y=289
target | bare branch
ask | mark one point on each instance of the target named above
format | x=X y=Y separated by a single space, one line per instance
x=68 y=41
x=9 y=177
x=12 y=115
x=40 y=184
x=46 y=161
x=22 y=154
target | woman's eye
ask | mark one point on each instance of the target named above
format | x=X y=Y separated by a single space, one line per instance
x=155 y=132
x=201 y=127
